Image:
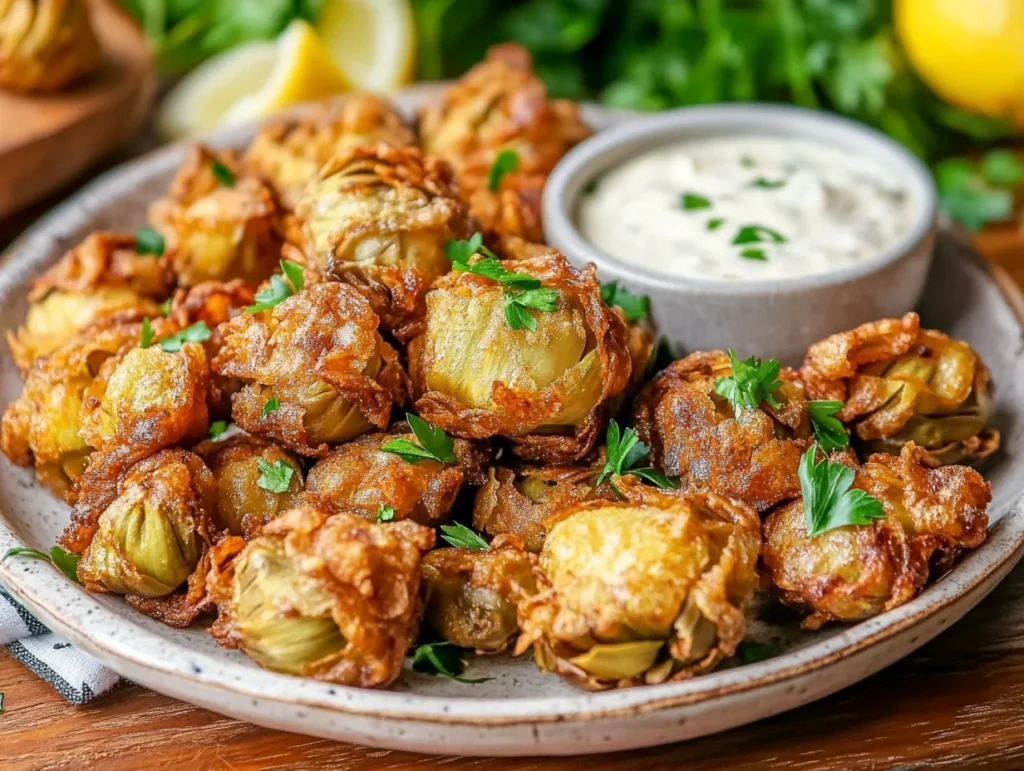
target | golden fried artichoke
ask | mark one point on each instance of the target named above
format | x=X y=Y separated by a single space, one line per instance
x=218 y=225
x=359 y=478
x=103 y=279
x=694 y=433
x=379 y=217
x=547 y=389
x=46 y=45
x=855 y=572
x=335 y=598
x=472 y=594
x=256 y=480
x=317 y=372
x=900 y=383
x=288 y=152
x=648 y=589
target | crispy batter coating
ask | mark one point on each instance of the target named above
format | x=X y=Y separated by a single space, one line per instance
x=517 y=501
x=855 y=572
x=101 y=279
x=694 y=433
x=217 y=231
x=548 y=390
x=152 y=541
x=320 y=356
x=43 y=426
x=472 y=594
x=332 y=597
x=510 y=217
x=287 y=152
x=243 y=506
x=643 y=590
x=378 y=217
x=359 y=478
x=46 y=45
x=900 y=383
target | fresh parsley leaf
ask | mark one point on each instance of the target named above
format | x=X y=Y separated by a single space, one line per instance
x=273 y=405
x=217 y=428
x=149 y=241
x=1003 y=168
x=279 y=289
x=966 y=197
x=828 y=429
x=753 y=652
x=623 y=451
x=434 y=443
x=165 y=306
x=296 y=274
x=505 y=162
x=752 y=253
x=196 y=333
x=146 y=336
x=634 y=306
x=460 y=251
x=66 y=562
x=715 y=223
x=751 y=382
x=767 y=184
x=463 y=537
x=442 y=658
x=223 y=174
x=755 y=234
x=385 y=513
x=828 y=500
x=691 y=201
x=516 y=304
x=275 y=477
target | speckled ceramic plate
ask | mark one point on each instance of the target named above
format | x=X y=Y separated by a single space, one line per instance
x=518 y=711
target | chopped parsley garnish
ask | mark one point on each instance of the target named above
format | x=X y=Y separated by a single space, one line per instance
x=691 y=201
x=714 y=223
x=442 y=658
x=623 y=451
x=751 y=382
x=828 y=500
x=385 y=513
x=65 y=561
x=273 y=405
x=279 y=289
x=753 y=253
x=217 y=428
x=223 y=174
x=463 y=537
x=828 y=429
x=434 y=443
x=753 y=652
x=747 y=162
x=196 y=333
x=165 y=306
x=516 y=304
x=146 y=335
x=505 y=162
x=275 y=477
x=149 y=241
x=633 y=306
x=768 y=184
x=756 y=234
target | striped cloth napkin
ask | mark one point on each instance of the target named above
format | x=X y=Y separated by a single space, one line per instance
x=74 y=675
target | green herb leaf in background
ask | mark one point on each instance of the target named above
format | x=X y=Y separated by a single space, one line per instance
x=65 y=561
x=146 y=334
x=633 y=306
x=505 y=162
x=197 y=333
x=149 y=241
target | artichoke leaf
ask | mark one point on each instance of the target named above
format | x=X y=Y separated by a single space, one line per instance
x=619 y=660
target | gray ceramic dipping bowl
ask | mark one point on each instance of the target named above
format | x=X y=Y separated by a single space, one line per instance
x=776 y=318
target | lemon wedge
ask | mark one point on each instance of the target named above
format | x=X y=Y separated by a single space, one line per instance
x=372 y=41
x=252 y=81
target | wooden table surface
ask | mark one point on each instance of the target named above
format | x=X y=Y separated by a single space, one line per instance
x=956 y=703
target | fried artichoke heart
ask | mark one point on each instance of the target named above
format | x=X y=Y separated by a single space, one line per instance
x=332 y=597
x=103 y=279
x=858 y=571
x=900 y=383
x=218 y=227
x=378 y=218
x=359 y=478
x=548 y=390
x=244 y=506
x=472 y=594
x=647 y=589
x=317 y=356
x=695 y=434
x=288 y=152
x=46 y=45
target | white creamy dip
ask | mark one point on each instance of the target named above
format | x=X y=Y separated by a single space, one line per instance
x=796 y=207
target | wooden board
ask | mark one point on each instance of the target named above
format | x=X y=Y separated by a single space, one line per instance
x=48 y=140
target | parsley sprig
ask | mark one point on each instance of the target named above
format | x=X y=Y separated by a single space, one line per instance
x=633 y=306
x=756 y=234
x=828 y=429
x=274 y=477
x=197 y=333
x=149 y=241
x=505 y=162
x=442 y=658
x=623 y=451
x=385 y=513
x=279 y=289
x=217 y=428
x=146 y=335
x=434 y=443
x=273 y=404
x=752 y=381
x=65 y=561
x=828 y=500
x=224 y=175
x=463 y=537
